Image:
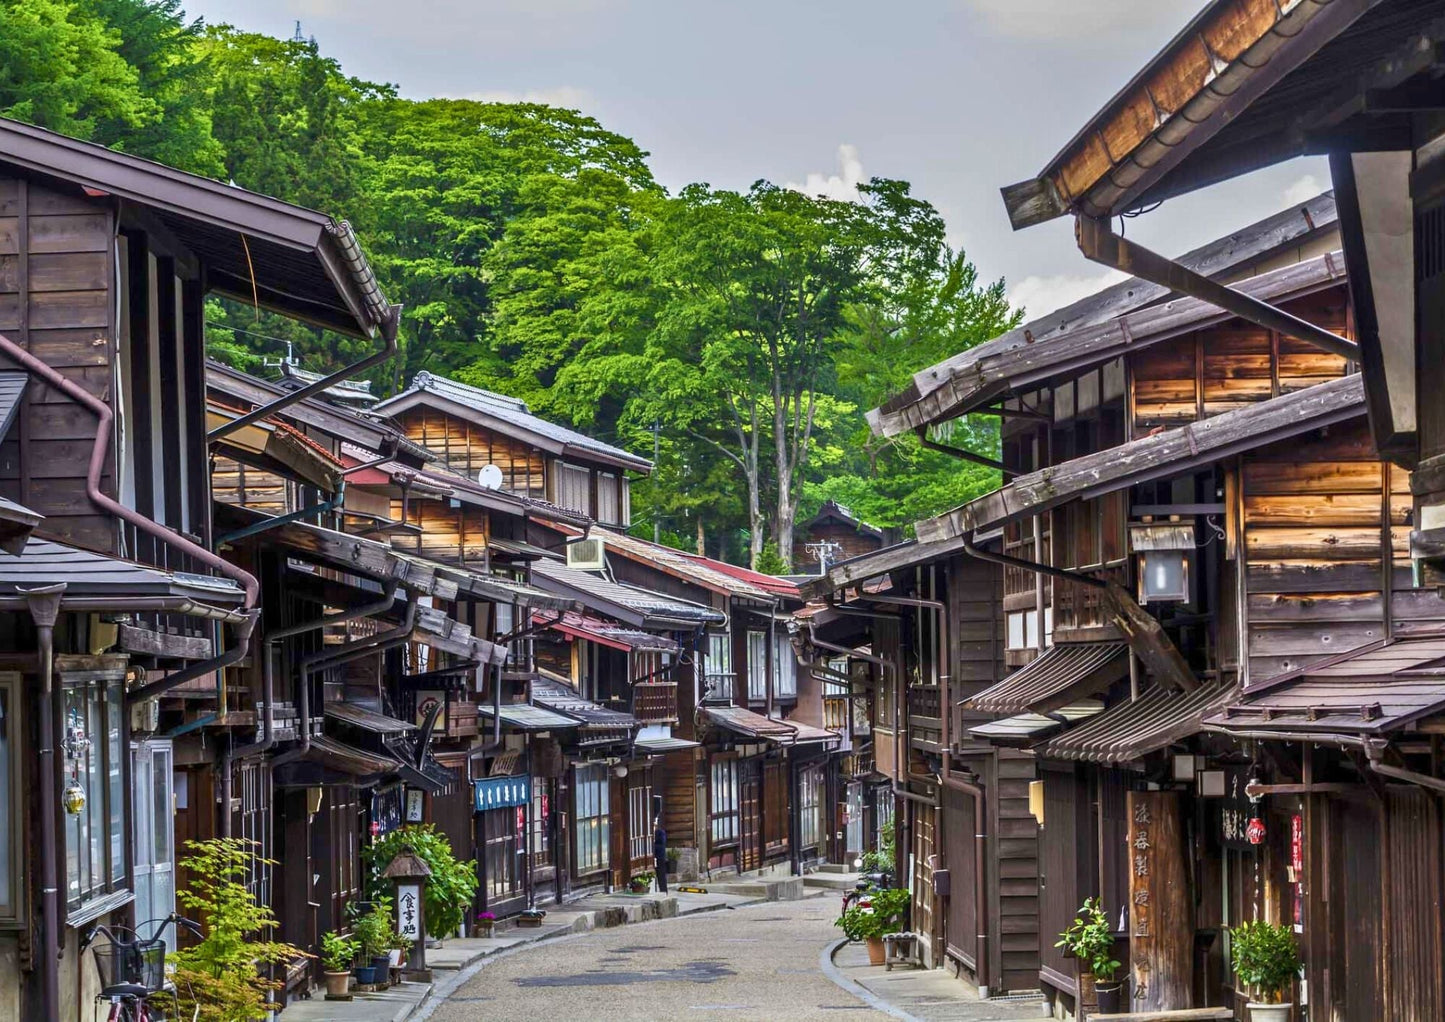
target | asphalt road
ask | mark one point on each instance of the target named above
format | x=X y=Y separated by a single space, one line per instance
x=756 y=962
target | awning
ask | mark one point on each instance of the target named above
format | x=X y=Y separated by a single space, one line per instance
x=805 y=734
x=367 y=720
x=632 y=605
x=525 y=717
x=606 y=633
x=1159 y=455
x=657 y=746
x=1066 y=673
x=330 y=762
x=1384 y=686
x=90 y=575
x=522 y=550
x=749 y=724
x=1030 y=727
x=273 y=446
x=1133 y=729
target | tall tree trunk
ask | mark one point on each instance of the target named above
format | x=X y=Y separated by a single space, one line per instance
x=701 y=538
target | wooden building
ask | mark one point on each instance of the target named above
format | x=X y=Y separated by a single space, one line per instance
x=833 y=534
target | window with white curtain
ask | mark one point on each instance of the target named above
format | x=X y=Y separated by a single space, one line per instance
x=574 y=488
x=608 y=510
x=592 y=818
x=810 y=815
x=724 y=794
x=153 y=839
x=757 y=666
x=785 y=667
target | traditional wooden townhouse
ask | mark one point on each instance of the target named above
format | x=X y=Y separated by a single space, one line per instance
x=117 y=606
x=833 y=534
x=1343 y=756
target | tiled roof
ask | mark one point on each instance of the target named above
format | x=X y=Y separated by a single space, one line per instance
x=630 y=604
x=1134 y=728
x=500 y=408
x=609 y=633
x=86 y=573
x=702 y=571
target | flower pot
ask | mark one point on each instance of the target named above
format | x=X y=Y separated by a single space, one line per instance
x=338 y=984
x=365 y=975
x=638 y=887
x=529 y=920
x=877 y=953
x=382 y=965
x=484 y=930
x=1268 y=1012
x=1111 y=997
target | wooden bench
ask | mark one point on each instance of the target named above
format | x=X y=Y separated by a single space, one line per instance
x=1182 y=1015
x=898 y=948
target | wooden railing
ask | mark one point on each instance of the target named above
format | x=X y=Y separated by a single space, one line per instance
x=1077 y=605
x=655 y=702
x=925 y=716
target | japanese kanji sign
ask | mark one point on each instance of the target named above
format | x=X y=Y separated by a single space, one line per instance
x=1161 y=926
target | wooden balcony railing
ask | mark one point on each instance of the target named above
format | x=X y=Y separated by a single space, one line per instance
x=1082 y=606
x=655 y=702
x=925 y=716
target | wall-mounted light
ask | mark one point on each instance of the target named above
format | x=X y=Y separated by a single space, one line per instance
x=1211 y=783
x=1162 y=550
x=1184 y=766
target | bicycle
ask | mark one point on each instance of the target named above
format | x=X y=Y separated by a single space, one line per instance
x=133 y=970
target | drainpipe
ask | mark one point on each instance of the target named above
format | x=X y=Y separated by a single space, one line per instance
x=1099 y=243
x=108 y=504
x=268 y=689
x=44 y=609
x=225 y=658
x=495 y=742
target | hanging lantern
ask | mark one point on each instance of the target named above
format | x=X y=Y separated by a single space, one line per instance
x=73 y=798
x=1255 y=831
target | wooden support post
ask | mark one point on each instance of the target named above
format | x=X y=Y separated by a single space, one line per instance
x=1161 y=916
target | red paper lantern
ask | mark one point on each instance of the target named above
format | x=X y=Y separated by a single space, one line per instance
x=1255 y=831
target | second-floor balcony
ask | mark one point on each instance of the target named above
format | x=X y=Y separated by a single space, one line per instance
x=655 y=702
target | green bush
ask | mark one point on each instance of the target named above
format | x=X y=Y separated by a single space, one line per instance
x=337 y=952
x=450 y=888
x=1265 y=958
x=885 y=916
x=1092 y=941
x=374 y=929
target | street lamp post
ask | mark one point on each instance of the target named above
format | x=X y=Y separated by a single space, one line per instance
x=409 y=874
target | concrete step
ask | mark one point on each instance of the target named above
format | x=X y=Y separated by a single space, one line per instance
x=765 y=888
x=834 y=867
x=831 y=881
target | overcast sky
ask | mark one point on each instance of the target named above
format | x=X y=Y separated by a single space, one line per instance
x=959 y=97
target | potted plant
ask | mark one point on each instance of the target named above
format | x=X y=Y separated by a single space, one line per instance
x=1090 y=940
x=531 y=917
x=871 y=923
x=373 y=932
x=486 y=924
x=1265 y=959
x=337 y=953
x=641 y=883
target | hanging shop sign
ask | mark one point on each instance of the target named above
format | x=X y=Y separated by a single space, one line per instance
x=415 y=805
x=385 y=812
x=1235 y=810
x=501 y=792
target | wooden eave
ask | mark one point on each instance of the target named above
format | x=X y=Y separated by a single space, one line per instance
x=1162 y=454
x=875 y=563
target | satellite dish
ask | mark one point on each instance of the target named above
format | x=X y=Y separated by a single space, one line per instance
x=490 y=477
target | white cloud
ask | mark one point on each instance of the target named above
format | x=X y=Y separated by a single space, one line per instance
x=562 y=96
x=842 y=185
x=1055 y=19
x=1303 y=190
x=1039 y=296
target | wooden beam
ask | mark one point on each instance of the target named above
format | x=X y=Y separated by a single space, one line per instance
x=1146 y=637
x=1257 y=790
x=135 y=639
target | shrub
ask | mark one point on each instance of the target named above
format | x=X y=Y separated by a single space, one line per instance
x=337 y=952
x=450 y=888
x=219 y=978
x=1265 y=958
x=1092 y=941
x=373 y=929
x=884 y=916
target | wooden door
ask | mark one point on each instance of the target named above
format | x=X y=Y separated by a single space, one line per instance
x=750 y=797
x=776 y=806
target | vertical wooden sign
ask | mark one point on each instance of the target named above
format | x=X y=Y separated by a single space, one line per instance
x=1161 y=919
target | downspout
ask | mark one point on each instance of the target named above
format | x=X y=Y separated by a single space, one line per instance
x=225 y=659
x=45 y=609
x=1099 y=243
x=108 y=504
x=495 y=742
x=268 y=690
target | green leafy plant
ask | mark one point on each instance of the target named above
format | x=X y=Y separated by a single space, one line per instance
x=337 y=952
x=882 y=860
x=218 y=979
x=884 y=916
x=1265 y=958
x=374 y=929
x=643 y=879
x=1091 y=940
x=450 y=888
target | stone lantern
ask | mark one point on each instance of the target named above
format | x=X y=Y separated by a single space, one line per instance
x=408 y=873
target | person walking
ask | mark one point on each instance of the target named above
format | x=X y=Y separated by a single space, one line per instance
x=659 y=852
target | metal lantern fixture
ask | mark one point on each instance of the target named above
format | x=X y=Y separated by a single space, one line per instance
x=408 y=873
x=1162 y=549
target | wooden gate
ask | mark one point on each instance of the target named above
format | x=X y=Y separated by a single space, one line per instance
x=959 y=827
x=776 y=807
x=750 y=797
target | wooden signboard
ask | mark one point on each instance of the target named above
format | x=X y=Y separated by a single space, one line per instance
x=1161 y=921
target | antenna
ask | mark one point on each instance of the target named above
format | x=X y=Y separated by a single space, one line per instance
x=490 y=477
x=827 y=552
x=276 y=363
x=298 y=37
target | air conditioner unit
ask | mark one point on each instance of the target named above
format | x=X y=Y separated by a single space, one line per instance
x=145 y=717
x=586 y=554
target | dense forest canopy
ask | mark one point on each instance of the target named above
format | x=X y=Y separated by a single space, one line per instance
x=738 y=335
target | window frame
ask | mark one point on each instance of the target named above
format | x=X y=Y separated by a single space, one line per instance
x=639 y=823
x=103 y=693
x=591 y=801
x=727 y=810
x=718 y=667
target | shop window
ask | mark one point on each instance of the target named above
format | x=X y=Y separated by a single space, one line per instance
x=541 y=826
x=154 y=835
x=501 y=833
x=639 y=822
x=94 y=760
x=719 y=668
x=724 y=791
x=592 y=819
x=810 y=829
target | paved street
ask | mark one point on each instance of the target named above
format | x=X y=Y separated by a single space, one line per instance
x=757 y=962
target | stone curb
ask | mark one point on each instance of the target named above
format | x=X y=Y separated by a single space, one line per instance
x=868 y=997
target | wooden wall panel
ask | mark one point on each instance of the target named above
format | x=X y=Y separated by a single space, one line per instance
x=466 y=447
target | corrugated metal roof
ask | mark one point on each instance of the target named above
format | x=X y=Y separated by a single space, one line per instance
x=631 y=604
x=367 y=720
x=1132 y=729
x=554 y=695
x=86 y=573
x=609 y=633
x=525 y=717
x=1032 y=726
x=1380 y=687
x=702 y=571
x=514 y=411
x=1065 y=673
x=804 y=734
x=12 y=389
x=668 y=744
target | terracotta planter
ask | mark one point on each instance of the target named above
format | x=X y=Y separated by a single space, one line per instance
x=1111 y=997
x=638 y=887
x=484 y=930
x=1268 y=1012
x=338 y=984
x=877 y=953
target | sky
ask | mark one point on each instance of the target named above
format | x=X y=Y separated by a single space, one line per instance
x=959 y=97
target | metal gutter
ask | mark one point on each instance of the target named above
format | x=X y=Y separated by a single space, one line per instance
x=1099 y=243
x=226 y=658
x=45 y=609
